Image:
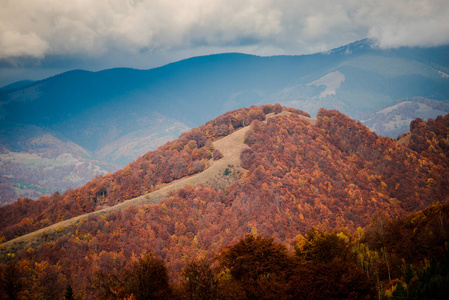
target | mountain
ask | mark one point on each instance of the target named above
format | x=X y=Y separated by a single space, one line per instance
x=331 y=171
x=263 y=171
x=118 y=114
x=16 y=85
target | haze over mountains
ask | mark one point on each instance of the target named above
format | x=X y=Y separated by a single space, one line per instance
x=88 y=123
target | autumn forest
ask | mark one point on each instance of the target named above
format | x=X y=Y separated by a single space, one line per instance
x=317 y=209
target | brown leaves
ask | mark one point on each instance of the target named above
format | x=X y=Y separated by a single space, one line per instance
x=259 y=265
x=216 y=155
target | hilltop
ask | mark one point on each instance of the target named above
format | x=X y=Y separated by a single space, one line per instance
x=114 y=116
x=267 y=171
x=335 y=170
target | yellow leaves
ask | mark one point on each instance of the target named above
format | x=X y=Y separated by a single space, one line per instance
x=26 y=222
x=325 y=120
x=175 y=146
x=127 y=297
x=418 y=218
x=226 y=275
x=40 y=267
x=343 y=236
x=353 y=158
x=59 y=229
x=325 y=148
x=205 y=162
x=425 y=163
x=253 y=228
x=278 y=140
x=60 y=216
x=300 y=241
x=260 y=168
x=359 y=232
x=195 y=242
x=389 y=292
x=265 y=186
x=190 y=146
x=328 y=187
x=394 y=202
x=117 y=232
x=127 y=171
x=353 y=191
x=87 y=237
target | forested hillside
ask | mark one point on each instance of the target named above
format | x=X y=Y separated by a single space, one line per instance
x=188 y=155
x=389 y=259
x=311 y=185
x=117 y=115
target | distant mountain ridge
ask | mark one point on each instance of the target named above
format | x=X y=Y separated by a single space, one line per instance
x=106 y=112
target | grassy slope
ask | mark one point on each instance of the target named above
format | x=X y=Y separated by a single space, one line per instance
x=230 y=146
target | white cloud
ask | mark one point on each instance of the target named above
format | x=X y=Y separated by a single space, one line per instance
x=19 y=44
x=410 y=23
x=38 y=28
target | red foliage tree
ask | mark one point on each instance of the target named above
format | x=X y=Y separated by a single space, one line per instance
x=216 y=155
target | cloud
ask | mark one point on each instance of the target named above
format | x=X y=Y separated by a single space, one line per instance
x=20 y=44
x=94 y=28
x=409 y=23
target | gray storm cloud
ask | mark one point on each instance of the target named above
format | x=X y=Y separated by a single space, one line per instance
x=37 y=28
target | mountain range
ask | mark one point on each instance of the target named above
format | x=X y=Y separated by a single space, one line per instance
x=79 y=124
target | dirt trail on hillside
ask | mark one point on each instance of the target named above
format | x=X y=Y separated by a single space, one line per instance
x=230 y=146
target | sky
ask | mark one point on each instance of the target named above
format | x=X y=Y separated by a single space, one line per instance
x=41 y=38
